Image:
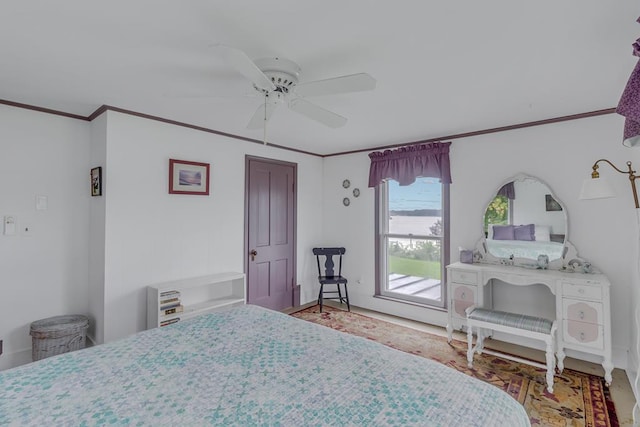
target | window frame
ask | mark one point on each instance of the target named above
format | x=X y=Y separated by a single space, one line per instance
x=381 y=249
x=509 y=215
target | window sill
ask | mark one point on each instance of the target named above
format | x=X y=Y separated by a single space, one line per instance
x=430 y=307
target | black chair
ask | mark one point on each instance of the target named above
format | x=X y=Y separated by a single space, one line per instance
x=327 y=276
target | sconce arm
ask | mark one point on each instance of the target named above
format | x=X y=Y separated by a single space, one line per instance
x=631 y=172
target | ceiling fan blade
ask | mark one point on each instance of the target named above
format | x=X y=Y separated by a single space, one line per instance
x=352 y=83
x=261 y=116
x=319 y=114
x=245 y=66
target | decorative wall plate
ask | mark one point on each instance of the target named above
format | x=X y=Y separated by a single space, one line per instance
x=346 y=201
x=356 y=192
x=346 y=183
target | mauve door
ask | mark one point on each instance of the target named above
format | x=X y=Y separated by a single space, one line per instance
x=270 y=233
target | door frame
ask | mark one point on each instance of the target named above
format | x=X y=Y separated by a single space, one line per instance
x=295 y=291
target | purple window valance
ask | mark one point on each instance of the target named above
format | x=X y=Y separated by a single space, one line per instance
x=405 y=164
x=508 y=190
x=629 y=105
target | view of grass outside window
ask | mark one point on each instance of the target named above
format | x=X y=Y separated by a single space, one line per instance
x=413 y=241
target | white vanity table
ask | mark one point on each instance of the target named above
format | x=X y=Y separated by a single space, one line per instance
x=582 y=304
x=582 y=301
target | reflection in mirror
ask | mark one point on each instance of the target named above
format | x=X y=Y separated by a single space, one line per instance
x=524 y=220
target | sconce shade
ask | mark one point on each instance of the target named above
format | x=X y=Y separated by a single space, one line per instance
x=596 y=188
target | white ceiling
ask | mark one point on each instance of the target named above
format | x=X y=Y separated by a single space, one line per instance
x=442 y=67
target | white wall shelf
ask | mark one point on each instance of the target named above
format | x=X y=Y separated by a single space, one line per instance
x=198 y=295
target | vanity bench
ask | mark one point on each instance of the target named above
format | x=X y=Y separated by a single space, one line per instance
x=517 y=324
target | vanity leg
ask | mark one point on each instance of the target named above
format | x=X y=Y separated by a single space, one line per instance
x=608 y=367
x=449 y=331
x=470 y=346
x=480 y=339
x=561 y=357
x=550 y=365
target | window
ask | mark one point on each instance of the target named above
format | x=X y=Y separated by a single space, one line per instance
x=412 y=240
x=498 y=213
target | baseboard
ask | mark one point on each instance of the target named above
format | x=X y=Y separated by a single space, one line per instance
x=22 y=357
x=90 y=342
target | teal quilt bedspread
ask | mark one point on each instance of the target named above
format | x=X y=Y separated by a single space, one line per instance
x=248 y=366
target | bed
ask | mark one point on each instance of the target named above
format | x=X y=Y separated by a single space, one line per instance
x=248 y=366
x=523 y=241
x=524 y=249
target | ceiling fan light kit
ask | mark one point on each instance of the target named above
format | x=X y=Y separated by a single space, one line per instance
x=276 y=80
x=282 y=73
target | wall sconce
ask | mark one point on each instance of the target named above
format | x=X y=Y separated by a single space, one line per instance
x=599 y=188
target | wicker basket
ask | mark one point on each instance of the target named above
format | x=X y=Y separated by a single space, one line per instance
x=57 y=335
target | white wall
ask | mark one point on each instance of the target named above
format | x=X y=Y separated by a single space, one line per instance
x=529 y=206
x=634 y=267
x=44 y=274
x=153 y=236
x=97 y=236
x=139 y=233
x=560 y=154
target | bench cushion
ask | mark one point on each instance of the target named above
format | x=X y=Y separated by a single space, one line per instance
x=520 y=321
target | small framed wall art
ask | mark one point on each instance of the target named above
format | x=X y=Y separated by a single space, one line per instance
x=551 y=203
x=96 y=181
x=188 y=177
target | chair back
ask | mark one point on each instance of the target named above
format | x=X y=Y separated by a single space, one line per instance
x=329 y=265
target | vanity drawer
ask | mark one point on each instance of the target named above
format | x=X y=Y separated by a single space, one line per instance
x=464 y=293
x=462 y=297
x=581 y=291
x=470 y=278
x=582 y=311
x=585 y=334
x=460 y=306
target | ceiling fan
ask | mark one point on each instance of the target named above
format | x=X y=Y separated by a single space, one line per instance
x=276 y=80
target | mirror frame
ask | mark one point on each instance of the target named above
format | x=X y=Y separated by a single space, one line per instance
x=569 y=261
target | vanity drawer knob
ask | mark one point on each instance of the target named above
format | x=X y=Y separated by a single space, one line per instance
x=462 y=295
x=581 y=314
x=581 y=336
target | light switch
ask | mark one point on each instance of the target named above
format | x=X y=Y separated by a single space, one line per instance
x=41 y=203
x=9 y=225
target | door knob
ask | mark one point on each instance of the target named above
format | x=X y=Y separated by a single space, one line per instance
x=253 y=254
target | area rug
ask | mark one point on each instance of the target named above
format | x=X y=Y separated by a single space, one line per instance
x=578 y=399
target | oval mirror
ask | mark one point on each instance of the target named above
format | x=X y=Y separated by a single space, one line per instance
x=523 y=221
